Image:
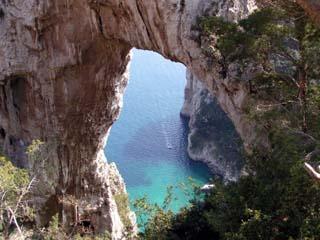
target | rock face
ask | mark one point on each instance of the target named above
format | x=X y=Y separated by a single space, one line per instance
x=63 y=70
x=212 y=138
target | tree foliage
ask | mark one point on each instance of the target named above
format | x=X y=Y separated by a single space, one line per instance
x=14 y=190
x=284 y=46
x=275 y=200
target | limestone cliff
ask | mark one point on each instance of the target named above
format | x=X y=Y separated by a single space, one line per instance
x=63 y=70
x=212 y=138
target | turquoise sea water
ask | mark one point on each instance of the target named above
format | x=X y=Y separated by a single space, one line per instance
x=148 y=142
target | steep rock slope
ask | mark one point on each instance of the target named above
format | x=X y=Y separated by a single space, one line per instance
x=63 y=70
x=212 y=138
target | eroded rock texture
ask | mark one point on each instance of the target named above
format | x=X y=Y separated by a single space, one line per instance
x=63 y=69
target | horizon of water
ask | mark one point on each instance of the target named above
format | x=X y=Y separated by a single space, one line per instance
x=148 y=143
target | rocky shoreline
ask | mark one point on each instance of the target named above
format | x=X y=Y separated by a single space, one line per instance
x=212 y=138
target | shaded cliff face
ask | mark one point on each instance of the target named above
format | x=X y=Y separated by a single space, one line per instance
x=212 y=138
x=63 y=70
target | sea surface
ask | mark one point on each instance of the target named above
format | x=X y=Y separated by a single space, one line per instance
x=148 y=142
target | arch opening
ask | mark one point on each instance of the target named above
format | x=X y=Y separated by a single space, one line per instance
x=149 y=141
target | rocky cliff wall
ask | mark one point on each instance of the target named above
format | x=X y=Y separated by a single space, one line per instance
x=61 y=79
x=212 y=138
x=63 y=70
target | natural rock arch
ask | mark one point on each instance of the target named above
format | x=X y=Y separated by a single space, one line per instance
x=67 y=61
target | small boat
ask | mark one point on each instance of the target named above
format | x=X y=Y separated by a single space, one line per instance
x=169 y=146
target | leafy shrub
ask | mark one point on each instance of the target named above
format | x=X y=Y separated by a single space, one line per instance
x=14 y=189
x=122 y=201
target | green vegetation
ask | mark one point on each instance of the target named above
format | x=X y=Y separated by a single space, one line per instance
x=14 y=189
x=276 y=200
x=154 y=219
x=38 y=153
x=123 y=204
x=283 y=47
x=55 y=232
x=17 y=218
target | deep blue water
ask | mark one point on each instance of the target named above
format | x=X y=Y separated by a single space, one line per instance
x=148 y=142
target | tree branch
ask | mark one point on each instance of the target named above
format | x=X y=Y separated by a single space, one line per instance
x=15 y=222
x=310 y=169
x=24 y=192
x=312 y=172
